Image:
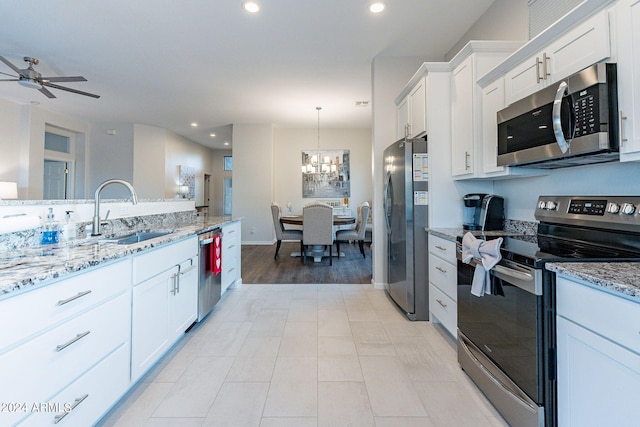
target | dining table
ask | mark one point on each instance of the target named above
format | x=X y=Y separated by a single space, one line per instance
x=317 y=251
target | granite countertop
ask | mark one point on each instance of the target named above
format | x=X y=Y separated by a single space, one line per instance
x=33 y=265
x=619 y=277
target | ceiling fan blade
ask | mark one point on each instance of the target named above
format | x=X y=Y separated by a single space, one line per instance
x=10 y=65
x=79 y=92
x=64 y=79
x=9 y=80
x=46 y=92
x=7 y=74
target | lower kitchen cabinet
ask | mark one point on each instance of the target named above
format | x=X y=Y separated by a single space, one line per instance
x=443 y=283
x=598 y=356
x=165 y=301
x=231 y=254
x=60 y=333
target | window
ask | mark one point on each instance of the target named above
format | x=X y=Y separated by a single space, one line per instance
x=228 y=163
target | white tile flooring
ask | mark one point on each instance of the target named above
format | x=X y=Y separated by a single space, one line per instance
x=307 y=355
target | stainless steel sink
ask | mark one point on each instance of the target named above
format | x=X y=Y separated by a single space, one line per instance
x=137 y=237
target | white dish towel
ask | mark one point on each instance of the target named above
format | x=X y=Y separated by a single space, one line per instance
x=486 y=251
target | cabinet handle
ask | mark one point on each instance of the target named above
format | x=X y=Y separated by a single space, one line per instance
x=621 y=117
x=174 y=289
x=466 y=160
x=78 y=337
x=442 y=248
x=231 y=231
x=78 y=295
x=188 y=269
x=442 y=270
x=441 y=303
x=73 y=406
x=545 y=68
x=538 y=63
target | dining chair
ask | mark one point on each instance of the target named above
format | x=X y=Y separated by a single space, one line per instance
x=281 y=232
x=357 y=233
x=317 y=228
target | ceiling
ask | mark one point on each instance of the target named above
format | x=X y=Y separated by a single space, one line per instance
x=169 y=63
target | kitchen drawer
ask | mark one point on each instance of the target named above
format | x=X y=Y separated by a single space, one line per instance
x=232 y=232
x=617 y=319
x=34 y=371
x=443 y=248
x=26 y=314
x=444 y=276
x=444 y=309
x=93 y=394
x=155 y=261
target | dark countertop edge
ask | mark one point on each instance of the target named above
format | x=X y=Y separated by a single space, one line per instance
x=69 y=267
x=619 y=278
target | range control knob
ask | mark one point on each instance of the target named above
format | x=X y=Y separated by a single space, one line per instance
x=613 y=208
x=542 y=205
x=551 y=205
x=628 y=209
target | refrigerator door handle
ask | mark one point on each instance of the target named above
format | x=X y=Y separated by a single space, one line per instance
x=388 y=191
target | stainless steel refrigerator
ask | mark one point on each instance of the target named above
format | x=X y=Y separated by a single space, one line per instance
x=405 y=206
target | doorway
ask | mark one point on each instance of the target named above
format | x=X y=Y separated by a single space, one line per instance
x=227 y=196
x=56 y=180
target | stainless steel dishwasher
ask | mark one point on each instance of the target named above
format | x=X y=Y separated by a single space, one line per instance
x=209 y=278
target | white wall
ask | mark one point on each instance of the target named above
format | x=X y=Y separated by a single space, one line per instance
x=388 y=76
x=10 y=118
x=183 y=152
x=148 y=161
x=253 y=180
x=288 y=147
x=504 y=20
x=111 y=157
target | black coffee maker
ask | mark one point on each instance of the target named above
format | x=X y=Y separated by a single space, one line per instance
x=483 y=212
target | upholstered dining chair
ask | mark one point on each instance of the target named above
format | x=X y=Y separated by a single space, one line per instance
x=317 y=228
x=357 y=233
x=281 y=232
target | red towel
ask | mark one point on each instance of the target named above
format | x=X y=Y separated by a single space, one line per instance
x=215 y=254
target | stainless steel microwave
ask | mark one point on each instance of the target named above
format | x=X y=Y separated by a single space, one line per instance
x=571 y=123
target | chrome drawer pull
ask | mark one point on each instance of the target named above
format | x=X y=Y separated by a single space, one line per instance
x=73 y=406
x=188 y=269
x=72 y=340
x=441 y=248
x=441 y=303
x=442 y=270
x=79 y=295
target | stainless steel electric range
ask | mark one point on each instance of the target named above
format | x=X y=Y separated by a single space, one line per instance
x=507 y=339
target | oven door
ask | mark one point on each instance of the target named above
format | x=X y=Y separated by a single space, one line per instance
x=501 y=339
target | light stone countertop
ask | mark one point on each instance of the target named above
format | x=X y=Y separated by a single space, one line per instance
x=30 y=266
x=621 y=278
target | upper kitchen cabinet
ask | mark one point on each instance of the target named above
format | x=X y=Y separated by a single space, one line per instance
x=473 y=61
x=628 y=24
x=411 y=107
x=581 y=46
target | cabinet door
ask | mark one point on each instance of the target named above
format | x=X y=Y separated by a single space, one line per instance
x=402 y=112
x=526 y=78
x=598 y=380
x=150 y=328
x=492 y=102
x=418 y=109
x=184 y=298
x=462 y=138
x=629 y=79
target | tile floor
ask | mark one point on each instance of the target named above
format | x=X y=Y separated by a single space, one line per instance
x=307 y=355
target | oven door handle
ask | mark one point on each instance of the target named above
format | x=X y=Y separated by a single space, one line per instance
x=523 y=279
x=513 y=273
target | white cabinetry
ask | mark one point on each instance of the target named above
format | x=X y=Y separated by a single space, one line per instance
x=629 y=78
x=412 y=110
x=59 y=335
x=231 y=255
x=443 y=283
x=583 y=45
x=165 y=300
x=598 y=344
x=473 y=61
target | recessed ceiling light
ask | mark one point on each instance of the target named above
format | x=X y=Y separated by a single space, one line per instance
x=376 y=7
x=194 y=125
x=212 y=135
x=226 y=143
x=251 y=6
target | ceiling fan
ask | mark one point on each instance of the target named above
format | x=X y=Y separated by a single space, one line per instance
x=29 y=77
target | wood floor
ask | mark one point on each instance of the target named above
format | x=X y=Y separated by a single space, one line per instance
x=259 y=267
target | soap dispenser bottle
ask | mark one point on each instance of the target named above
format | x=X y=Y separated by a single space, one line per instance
x=50 y=229
x=68 y=231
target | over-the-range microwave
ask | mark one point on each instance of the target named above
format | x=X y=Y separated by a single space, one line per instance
x=571 y=123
